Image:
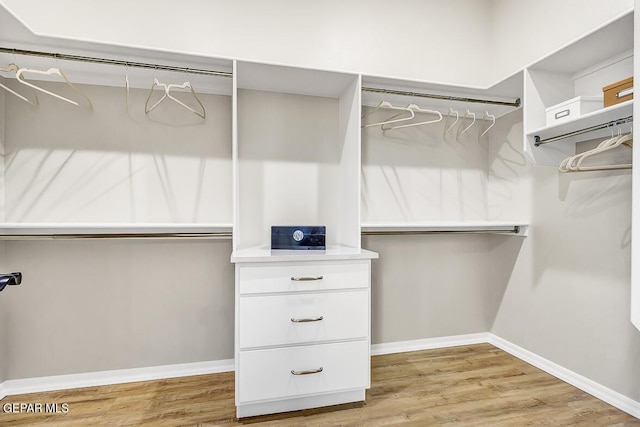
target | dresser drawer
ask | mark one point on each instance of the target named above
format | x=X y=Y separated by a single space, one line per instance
x=299 y=276
x=267 y=374
x=303 y=318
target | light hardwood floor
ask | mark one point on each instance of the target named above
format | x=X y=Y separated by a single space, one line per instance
x=477 y=385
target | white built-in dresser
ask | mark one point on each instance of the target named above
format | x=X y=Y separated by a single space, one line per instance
x=302 y=332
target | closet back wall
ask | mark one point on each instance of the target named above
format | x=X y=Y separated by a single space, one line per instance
x=419 y=174
x=96 y=305
x=432 y=285
x=65 y=164
x=289 y=168
x=111 y=304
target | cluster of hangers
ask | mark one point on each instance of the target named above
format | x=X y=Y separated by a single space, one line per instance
x=32 y=97
x=575 y=163
x=405 y=116
x=83 y=101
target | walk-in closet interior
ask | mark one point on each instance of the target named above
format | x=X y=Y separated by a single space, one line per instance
x=145 y=155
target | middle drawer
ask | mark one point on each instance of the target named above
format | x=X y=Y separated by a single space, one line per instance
x=272 y=320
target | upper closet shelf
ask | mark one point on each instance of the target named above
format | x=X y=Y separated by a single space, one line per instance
x=559 y=85
x=433 y=227
x=596 y=124
x=20 y=231
x=497 y=100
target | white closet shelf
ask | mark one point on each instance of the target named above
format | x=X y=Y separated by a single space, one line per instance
x=490 y=227
x=11 y=231
x=265 y=254
x=595 y=118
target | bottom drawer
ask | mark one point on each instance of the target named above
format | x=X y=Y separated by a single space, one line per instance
x=267 y=374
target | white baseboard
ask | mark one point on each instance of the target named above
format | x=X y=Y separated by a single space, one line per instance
x=428 y=344
x=92 y=379
x=595 y=389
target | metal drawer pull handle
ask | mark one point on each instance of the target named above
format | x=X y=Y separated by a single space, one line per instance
x=312 y=371
x=314 y=319
x=306 y=279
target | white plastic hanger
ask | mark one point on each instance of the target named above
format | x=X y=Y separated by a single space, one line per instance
x=448 y=128
x=167 y=94
x=417 y=108
x=393 y=119
x=156 y=83
x=484 y=118
x=57 y=72
x=462 y=130
x=574 y=163
x=624 y=139
x=15 y=68
x=571 y=165
x=564 y=165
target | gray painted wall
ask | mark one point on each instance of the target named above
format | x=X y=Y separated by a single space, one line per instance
x=88 y=306
x=567 y=296
x=431 y=286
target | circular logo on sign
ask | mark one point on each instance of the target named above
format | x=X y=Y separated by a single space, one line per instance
x=298 y=235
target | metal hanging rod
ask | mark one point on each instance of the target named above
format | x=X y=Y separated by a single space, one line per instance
x=116 y=62
x=514 y=104
x=514 y=230
x=227 y=235
x=77 y=236
x=538 y=141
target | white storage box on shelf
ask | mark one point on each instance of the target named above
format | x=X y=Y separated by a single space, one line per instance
x=573 y=108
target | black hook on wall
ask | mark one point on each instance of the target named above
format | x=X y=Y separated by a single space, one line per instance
x=10 y=279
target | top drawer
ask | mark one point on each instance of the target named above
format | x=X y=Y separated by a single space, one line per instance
x=299 y=276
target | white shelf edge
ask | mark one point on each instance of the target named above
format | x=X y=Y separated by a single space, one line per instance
x=494 y=227
x=10 y=231
x=265 y=254
x=584 y=121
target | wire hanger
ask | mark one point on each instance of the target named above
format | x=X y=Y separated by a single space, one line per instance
x=14 y=68
x=484 y=118
x=417 y=108
x=393 y=119
x=57 y=72
x=462 y=130
x=167 y=94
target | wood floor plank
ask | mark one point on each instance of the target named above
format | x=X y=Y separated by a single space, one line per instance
x=477 y=385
